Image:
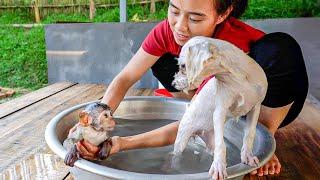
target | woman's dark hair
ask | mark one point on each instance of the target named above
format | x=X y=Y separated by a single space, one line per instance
x=239 y=6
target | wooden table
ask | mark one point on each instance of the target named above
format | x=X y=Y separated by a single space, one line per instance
x=24 y=152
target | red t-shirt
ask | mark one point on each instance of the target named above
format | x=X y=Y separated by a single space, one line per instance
x=160 y=40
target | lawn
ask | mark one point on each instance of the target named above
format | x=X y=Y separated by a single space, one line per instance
x=23 y=60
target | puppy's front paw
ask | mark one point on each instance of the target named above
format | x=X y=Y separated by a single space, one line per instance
x=176 y=161
x=248 y=158
x=218 y=170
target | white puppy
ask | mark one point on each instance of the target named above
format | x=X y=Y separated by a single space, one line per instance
x=238 y=87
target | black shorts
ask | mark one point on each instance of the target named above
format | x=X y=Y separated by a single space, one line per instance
x=280 y=57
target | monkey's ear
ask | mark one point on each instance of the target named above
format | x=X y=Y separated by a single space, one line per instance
x=83 y=118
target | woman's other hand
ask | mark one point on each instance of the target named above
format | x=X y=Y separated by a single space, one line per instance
x=90 y=152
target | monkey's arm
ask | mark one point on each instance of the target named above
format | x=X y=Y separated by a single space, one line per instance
x=73 y=137
x=70 y=145
x=105 y=149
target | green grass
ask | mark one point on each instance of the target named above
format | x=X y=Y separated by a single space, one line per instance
x=19 y=17
x=22 y=58
x=22 y=52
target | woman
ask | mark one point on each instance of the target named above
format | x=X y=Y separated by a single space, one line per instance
x=278 y=54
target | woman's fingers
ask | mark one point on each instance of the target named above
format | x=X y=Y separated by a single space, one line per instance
x=90 y=148
x=84 y=152
x=89 y=151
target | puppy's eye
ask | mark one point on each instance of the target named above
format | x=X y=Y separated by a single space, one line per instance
x=182 y=66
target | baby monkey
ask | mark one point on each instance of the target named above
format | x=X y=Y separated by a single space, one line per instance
x=93 y=127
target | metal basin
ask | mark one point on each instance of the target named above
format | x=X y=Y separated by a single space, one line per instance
x=141 y=114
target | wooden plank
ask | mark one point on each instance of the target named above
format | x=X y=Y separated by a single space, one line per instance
x=152 y=6
x=36 y=11
x=92 y=10
x=45 y=163
x=70 y=177
x=310 y=114
x=298 y=146
x=37 y=166
x=66 y=53
x=31 y=98
x=25 y=134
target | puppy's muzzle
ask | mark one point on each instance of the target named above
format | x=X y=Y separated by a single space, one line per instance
x=180 y=81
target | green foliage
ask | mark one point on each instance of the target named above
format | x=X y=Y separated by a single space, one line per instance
x=65 y=17
x=135 y=13
x=259 y=9
x=19 y=17
x=107 y=15
x=22 y=58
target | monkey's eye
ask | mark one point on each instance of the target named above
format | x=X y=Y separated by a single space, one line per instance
x=107 y=114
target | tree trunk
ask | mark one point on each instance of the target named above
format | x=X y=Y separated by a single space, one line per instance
x=92 y=9
x=36 y=11
x=152 y=6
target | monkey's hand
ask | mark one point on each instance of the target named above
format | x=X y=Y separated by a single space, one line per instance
x=72 y=156
x=105 y=149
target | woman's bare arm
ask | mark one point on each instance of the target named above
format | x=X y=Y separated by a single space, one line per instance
x=133 y=71
x=163 y=136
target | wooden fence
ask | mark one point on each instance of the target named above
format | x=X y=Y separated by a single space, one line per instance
x=41 y=8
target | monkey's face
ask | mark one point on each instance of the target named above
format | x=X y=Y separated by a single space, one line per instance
x=106 y=121
x=96 y=117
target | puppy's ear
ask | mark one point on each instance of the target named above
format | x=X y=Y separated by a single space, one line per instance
x=205 y=63
x=83 y=118
x=212 y=56
x=213 y=49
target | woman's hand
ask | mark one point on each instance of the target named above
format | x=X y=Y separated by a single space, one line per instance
x=90 y=152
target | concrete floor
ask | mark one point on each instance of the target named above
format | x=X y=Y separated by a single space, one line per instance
x=306 y=32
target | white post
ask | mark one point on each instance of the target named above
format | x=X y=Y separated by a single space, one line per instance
x=123 y=10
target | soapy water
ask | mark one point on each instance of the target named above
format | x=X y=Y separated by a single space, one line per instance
x=194 y=159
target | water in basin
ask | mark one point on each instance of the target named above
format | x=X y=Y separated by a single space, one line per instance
x=195 y=158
